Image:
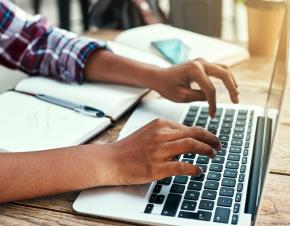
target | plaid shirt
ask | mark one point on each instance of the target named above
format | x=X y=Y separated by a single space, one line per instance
x=28 y=43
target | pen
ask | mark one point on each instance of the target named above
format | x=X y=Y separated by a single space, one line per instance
x=82 y=109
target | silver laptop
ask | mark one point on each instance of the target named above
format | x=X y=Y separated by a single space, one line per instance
x=229 y=191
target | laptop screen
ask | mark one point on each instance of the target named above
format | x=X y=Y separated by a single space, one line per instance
x=274 y=99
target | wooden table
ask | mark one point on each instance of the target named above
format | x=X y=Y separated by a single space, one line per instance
x=253 y=78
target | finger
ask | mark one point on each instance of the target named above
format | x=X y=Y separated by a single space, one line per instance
x=206 y=86
x=197 y=133
x=187 y=145
x=193 y=95
x=220 y=73
x=233 y=77
x=179 y=168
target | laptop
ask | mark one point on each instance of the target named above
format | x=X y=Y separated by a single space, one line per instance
x=229 y=191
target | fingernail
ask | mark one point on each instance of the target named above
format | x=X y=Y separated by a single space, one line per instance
x=213 y=154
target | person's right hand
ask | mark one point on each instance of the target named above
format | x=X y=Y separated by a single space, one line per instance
x=149 y=153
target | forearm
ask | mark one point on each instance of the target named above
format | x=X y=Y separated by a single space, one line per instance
x=33 y=174
x=105 y=66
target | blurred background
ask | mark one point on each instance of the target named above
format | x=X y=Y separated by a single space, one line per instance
x=221 y=18
x=253 y=24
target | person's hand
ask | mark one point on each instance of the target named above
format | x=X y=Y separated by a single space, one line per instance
x=174 y=83
x=149 y=153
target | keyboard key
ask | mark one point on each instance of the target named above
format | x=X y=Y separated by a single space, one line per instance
x=165 y=181
x=203 y=116
x=204 y=167
x=198 y=178
x=237 y=142
x=240 y=187
x=225 y=131
x=180 y=179
x=234 y=157
x=191 y=195
x=214 y=176
x=188 y=123
x=216 y=167
x=239 y=129
x=241 y=117
x=247 y=144
x=229 y=182
x=209 y=194
x=213 y=131
x=235 y=219
x=218 y=159
x=227 y=125
x=248 y=137
x=152 y=198
x=222 y=215
x=213 y=185
x=159 y=199
x=194 y=185
x=224 y=201
x=224 y=137
x=226 y=191
x=214 y=121
x=222 y=152
x=177 y=188
x=188 y=205
x=149 y=208
x=202 y=159
x=204 y=110
x=238 y=197
x=206 y=205
x=244 y=160
x=230 y=173
x=238 y=136
x=157 y=188
x=236 y=207
x=241 y=177
x=171 y=205
x=243 y=168
x=246 y=152
x=240 y=123
x=230 y=112
x=193 y=108
x=189 y=156
x=190 y=161
x=199 y=215
x=224 y=144
x=243 y=112
x=228 y=119
x=234 y=149
x=232 y=165
x=213 y=126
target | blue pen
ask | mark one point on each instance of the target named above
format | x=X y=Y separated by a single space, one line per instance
x=82 y=109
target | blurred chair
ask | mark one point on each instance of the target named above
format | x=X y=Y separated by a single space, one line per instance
x=64 y=12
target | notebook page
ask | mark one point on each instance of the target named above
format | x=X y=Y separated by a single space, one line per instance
x=28 y=124
x=112 y=99
x=211 y=49
x=135 y=54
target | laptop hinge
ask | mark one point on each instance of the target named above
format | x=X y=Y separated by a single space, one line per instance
x=260 y=158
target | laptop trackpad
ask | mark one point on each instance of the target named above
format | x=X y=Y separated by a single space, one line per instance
x=118 y=199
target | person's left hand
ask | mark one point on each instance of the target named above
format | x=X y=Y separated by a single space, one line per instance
x=174 y=83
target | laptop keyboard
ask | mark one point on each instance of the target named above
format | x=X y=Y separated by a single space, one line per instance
x=216 y=194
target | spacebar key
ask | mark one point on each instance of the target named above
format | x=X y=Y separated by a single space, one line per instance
x=171 y=205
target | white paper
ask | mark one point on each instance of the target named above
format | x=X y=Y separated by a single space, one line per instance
x=210 y=49
x=114 y=100
x=28 y=124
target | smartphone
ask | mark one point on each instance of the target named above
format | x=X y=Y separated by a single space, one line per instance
x=173 y=50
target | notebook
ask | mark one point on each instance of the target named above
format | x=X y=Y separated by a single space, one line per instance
x=211 y=49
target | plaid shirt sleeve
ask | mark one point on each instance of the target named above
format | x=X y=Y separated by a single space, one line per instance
x=28 y=43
